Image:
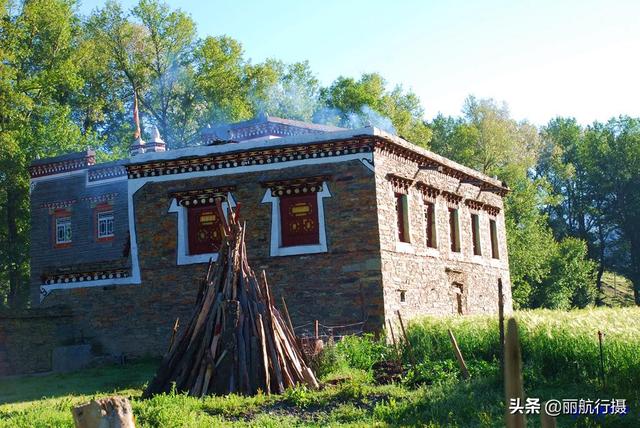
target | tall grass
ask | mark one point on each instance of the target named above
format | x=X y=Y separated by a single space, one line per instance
x=556 y=346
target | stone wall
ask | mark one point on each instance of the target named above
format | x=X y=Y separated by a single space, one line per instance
x=428 y=277
x=28 y=338
x=338 y=287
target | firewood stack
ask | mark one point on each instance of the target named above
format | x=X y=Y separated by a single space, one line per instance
x=236 y=340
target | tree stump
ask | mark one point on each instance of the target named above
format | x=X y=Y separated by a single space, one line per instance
x=109 y=412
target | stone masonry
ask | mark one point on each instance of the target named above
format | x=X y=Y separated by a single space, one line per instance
x=365 y=275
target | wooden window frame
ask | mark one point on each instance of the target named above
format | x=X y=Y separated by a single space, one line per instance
x=454 y=229
x=430 y=224
x=57 y=215
x=402 y=217
x=493 y=231
x=289 y=203
x=475 y=234
x=103 y=209
x=194 y=214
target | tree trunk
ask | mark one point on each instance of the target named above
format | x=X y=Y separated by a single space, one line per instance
x=601 y=252
x=635 y=268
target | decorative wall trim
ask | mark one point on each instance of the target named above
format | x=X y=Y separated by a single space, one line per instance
x=399 y=184
x=276 y=155
x=56 y=205
x=451 y=198
x=79 y=162
x=100 y=198
x=473 y=204
x=276 y=236
x=492 y=210
x=105 y=173
x=428 y=192
x=296 y=186
x=204 y=197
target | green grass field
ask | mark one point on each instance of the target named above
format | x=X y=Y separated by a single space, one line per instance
x=560 y=356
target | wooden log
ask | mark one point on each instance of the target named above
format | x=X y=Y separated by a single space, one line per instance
x=173 y=334
x=456 y=349
x=265 y=355
x=513 y=389
x=501 y=323
x=286 y=313
x=109 y=412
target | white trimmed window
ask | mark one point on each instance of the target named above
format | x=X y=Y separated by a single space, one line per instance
x=297 y=217
x=63 y=230
x=105 y=224
x=199 y=234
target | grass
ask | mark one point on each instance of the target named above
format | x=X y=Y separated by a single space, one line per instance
x=616 y=290
x=559 y=349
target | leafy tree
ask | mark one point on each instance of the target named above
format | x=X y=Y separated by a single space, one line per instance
x=39 y=72
x=356 y=103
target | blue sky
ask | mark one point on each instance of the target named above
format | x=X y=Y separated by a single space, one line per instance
x=544 y=58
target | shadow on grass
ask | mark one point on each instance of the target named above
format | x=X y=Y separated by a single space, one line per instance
x=91 y=381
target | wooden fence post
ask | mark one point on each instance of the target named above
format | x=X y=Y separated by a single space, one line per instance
x=513 y=389
x=501 y=323
x=456 y=350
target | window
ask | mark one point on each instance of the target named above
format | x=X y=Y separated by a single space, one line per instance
x=105 y=224
x=475 y=234
x=204 y=229
x=494 y=239
x=454 y=230
x=63 y=229
x=403 y=296
x=402 y=217
x=297 y=215
x=430 y=223
x=299 y=220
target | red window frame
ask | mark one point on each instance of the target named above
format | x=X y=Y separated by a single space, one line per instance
x=101 y=208
x=299 y=220
x=400 y=215
x=204 y=230
x=59 y=213
x=475 y=234
x=493 y=231
x=454 y=232
x=429 y=215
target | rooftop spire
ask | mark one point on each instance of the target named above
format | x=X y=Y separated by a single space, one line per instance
x=138 y=145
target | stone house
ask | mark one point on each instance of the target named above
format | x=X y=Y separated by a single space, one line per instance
x=351 y=225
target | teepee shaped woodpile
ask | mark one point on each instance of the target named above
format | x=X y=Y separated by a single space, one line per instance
x=236 y=341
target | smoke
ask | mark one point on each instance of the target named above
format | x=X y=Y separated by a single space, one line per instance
x=366 y=116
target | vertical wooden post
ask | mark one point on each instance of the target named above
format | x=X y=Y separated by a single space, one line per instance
x=546 y=420
x=406 y=339
x=456 y=350
x=604 y=381
x=513 y=389
x=173 y=333
x=286 y=312
x=316 y=329
x=501 y=323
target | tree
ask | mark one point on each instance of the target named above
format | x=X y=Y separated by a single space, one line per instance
x=38 y=74
x=611 y=156
x=152 y=51
x=356 y=103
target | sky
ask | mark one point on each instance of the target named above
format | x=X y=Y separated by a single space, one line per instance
x=543 y=58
